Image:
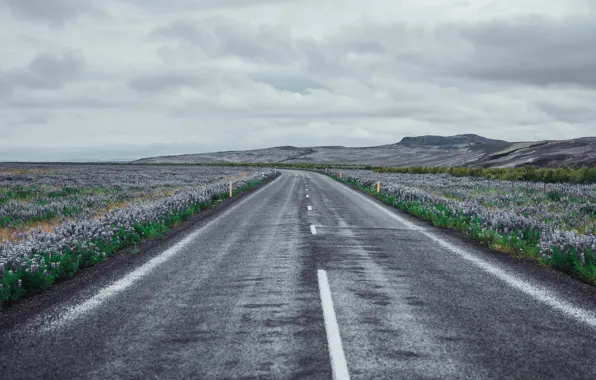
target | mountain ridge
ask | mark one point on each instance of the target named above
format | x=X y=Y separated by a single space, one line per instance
x=429 y=150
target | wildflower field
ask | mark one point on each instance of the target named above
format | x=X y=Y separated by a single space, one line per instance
x=553 y=223
x=55 y=219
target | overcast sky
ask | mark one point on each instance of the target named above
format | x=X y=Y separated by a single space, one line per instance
x=122 y=79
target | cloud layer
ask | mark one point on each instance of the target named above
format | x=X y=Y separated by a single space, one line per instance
x=147 y=77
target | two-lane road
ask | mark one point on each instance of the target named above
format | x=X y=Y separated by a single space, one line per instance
x=308 y=279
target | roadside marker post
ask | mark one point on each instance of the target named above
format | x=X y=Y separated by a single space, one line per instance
x=379 y=187
x=340 y=174
x=230 y=189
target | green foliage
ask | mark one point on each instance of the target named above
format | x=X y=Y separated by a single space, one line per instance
x=526 y=173
x=95 y=252
x=554 y=196
x=526 y=246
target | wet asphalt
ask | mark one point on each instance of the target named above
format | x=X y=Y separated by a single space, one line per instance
x=239 y=299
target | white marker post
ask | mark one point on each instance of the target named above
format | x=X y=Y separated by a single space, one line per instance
x=230 y=189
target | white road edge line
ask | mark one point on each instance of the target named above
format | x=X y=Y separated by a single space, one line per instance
x=313 y=229
x=533 y=290
x=336 y=350
x=130 y=278
x=309 y=208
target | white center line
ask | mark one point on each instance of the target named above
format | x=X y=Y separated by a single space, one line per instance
x=309 y=208
x=336 y=350
x=313 y=229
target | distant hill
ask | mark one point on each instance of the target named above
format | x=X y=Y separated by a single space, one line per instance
x=460 y=150
x=449 y=142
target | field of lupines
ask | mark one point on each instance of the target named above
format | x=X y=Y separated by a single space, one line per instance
x=554 y=224
x=55 y=219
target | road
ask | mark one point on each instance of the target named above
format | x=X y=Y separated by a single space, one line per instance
x=309 y=279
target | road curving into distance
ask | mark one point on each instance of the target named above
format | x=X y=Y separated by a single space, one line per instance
x=309 y=279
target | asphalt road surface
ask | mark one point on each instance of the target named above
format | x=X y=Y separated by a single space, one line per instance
x=309 y=279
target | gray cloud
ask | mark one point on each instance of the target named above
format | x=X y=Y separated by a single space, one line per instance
x=54 y=12
x=176 y=5
x=569 y=114
x=287 y=81
x=30 y=122
x=66 y=103
x=290 y=73
x=6 y=87
x=169 y=80
x=47 y=71
x=534 y=50
x=33 y=119
x=221 y=38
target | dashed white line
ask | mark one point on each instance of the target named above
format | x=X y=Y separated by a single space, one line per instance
x=336 y=350
x=309 y=208
x=313 y=229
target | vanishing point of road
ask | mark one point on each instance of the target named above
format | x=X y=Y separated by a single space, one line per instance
x=308 y=279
